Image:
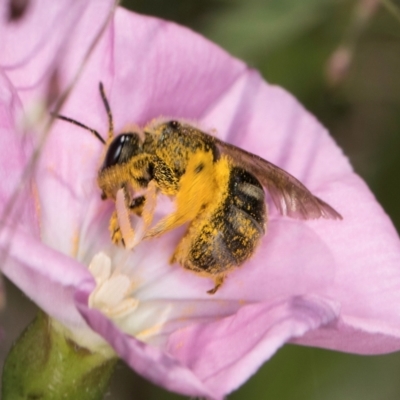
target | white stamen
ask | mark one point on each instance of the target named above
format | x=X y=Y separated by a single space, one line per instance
x=112 y=293
x=100 y=268
x=114 y=297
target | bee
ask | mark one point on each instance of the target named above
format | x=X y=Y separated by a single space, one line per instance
x=218 y=190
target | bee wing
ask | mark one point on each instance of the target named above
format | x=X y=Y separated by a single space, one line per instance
x=289 y=195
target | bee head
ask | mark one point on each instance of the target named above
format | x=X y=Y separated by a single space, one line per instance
x=122 y=149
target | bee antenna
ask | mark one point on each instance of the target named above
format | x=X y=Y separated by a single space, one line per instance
x=72 y=121
x=108 y=110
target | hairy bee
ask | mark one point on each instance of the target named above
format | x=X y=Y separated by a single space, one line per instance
x=218 y=191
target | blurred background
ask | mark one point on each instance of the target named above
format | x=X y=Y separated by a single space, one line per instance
x=341 y=59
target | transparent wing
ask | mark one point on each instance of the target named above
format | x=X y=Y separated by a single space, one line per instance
x=289 y=195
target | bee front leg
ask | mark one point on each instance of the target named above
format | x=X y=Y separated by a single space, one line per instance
x=147 y=212
x=115 y=231
x=122 y=226
x=117 y=235
x=120 y=223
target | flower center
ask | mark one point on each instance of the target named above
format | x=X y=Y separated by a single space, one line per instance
x=114 y=296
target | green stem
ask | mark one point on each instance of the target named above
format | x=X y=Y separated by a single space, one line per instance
x=44 y=365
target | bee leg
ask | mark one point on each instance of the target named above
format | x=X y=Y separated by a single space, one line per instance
x=137 y=205
x=173 y=259
x=197 y=188
x=218 y=281
x=146 y=216
x=132 y=236
x=164 y=226
x=171 y=221
x=122 y=215
x=149 y=205
x=116 y=235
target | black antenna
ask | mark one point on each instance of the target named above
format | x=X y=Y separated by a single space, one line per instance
x=108 y=110
x=109 y=114
x=72 y=121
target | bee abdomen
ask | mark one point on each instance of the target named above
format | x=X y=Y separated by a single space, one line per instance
x=247 y=194
x=232 y=234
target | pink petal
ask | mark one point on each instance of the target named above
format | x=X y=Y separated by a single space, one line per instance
x=223 y=353
x=364 y=247
x=138 y=91
x=45 y=275
x=367 y=283
x=147 y=360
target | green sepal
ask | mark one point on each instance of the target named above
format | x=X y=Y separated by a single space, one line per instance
x=45 y=365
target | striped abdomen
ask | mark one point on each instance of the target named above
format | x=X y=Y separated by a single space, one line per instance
x=231 y=234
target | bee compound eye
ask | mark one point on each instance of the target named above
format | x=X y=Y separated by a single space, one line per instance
x=121 y=149
x=114 y=151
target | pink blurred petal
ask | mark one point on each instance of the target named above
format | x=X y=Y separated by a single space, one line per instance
x=32 y=51
x=43 y=45
x=15 y=149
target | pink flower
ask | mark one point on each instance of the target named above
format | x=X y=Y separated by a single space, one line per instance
x=334 y=284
